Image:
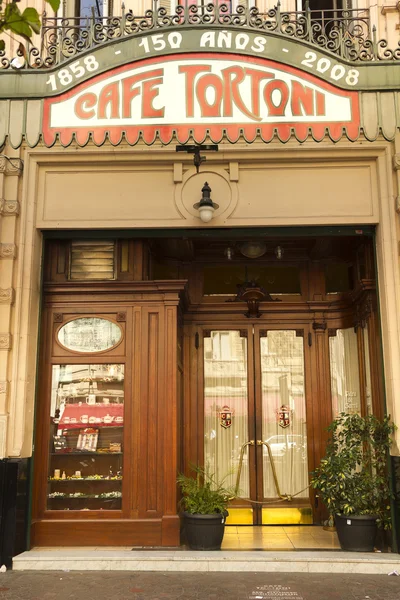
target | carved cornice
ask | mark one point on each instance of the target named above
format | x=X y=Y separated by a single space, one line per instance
x=5 y=341
x=9 y=208
x=8 y=251
x=6 y=295
x=10 y=165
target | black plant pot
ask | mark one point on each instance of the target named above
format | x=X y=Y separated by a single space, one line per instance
x=204 y=532
x=356 y=533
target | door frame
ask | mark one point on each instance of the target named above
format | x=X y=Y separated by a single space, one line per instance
x=194 y=335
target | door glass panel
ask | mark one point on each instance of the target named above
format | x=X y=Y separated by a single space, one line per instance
x=86 y=437
x=225 y=406
x=284 y=413
x=345 y=378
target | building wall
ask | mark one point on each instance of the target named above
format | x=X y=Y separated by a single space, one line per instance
x=256 y=185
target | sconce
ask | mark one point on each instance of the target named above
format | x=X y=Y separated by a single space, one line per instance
x=206 y=206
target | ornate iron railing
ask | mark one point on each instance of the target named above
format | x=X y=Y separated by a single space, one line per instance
x=345 y=33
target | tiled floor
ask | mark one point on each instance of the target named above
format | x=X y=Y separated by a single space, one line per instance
x=271 y=537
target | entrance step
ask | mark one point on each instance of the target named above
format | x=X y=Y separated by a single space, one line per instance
x=126 y=559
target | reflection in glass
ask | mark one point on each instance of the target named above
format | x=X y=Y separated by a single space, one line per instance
x=284 y=412
x=345 y=377
x=89 y=334
x=225 y=406
x=86 y=437
x=368 y=385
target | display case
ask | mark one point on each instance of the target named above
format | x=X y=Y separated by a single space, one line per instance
x=86 y=441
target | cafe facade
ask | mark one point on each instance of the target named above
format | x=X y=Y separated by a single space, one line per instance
x=199 y=263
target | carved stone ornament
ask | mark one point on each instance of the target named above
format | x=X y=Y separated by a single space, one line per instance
x=121 y=317
x=396 y=162
x=9 y=208
x=11 y=165
x=6 y=296
x=5 y=341
x=8 y=251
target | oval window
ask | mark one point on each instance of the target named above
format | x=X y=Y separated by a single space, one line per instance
x=89 y=334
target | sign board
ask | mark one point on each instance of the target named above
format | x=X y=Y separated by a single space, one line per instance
x=199 y=95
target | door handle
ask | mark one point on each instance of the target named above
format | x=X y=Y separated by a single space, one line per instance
x=287 y=497
x=239 y=473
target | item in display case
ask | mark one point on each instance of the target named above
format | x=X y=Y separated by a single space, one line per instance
x=87 y=440
x=64 y=475
x=57 y=473
x=115 y=447
x=60 y=443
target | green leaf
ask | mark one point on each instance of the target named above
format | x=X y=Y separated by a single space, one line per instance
x=55 y=4
x=2 y=45
x=31 y=17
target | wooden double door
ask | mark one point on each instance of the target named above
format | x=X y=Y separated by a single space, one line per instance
x=257 y=431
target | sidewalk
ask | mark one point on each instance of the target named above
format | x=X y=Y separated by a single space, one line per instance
x=91 y=585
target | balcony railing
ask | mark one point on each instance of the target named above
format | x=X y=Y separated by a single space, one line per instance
x=345 y=33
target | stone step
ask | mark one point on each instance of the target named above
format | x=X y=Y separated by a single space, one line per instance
x=126 y=559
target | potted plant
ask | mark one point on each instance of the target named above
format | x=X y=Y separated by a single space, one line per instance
x=352 y=479
x=204 y=503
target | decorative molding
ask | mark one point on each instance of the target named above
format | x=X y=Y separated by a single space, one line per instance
x=397 y=201
x=58 y=317
x=243 y=333
x=299 y=332
x=3 y=387
x=3 y=434
x=332 y=332
x=9 y=208
x=121 y=317
x=11 y=165
x=206 y=333
x=319 y=326
x=6 y=295
x=8 y=251
x=5 y=341
x=363 y=312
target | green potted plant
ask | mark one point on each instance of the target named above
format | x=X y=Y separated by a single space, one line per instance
x=352 y=479
x=204 y=503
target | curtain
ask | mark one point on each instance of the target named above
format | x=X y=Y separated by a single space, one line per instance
x=282 y=383
x=345 y=378
x=226 y=391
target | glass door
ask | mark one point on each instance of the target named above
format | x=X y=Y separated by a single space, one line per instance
x=255 y=435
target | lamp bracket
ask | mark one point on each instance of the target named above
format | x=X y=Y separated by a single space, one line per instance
x=195 y=149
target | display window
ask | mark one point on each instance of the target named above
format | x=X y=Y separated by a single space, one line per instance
x=86 y=437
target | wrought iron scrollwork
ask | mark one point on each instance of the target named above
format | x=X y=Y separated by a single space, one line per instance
x=344 y=33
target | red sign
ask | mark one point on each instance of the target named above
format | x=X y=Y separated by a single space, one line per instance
x=200 y=95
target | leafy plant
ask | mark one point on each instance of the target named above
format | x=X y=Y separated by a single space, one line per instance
x=23 y=24
x=352 y=478
x=203 y=494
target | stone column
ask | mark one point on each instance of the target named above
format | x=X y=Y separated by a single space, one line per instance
x=11 y=168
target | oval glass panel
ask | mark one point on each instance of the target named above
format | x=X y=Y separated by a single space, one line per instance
x=89 y=334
